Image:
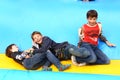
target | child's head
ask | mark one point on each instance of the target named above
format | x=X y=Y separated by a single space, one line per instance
x=92 y=16
x=92 y=13
x=36 y=37
x=10 y=49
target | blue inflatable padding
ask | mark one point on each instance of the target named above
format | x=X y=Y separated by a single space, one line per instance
x=58 y=19
x=41 y=75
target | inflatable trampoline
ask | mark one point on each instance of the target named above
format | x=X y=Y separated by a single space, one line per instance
x=60 y=20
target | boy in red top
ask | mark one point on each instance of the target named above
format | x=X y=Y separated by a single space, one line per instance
x=89 y=34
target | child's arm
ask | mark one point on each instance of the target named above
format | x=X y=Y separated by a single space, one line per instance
x=29 y=50
x=103 y=38
x=80 y=33
x=23 y=55
x=110 y=44
x=18 y=56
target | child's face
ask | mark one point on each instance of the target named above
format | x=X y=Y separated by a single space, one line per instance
x=14 y=48
x=37 y=38
x=92 y=21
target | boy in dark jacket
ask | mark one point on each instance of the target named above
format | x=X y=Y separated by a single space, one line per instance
x=34 y=61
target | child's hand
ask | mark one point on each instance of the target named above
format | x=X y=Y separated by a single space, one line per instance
x=29 y=50
x=110 y=44
x=27 y=56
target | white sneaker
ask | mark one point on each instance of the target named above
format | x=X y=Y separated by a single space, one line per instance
x=82 y=64
x=73 y=59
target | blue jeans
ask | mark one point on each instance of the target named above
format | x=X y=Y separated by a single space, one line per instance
x=41 y=59
x=96 y=55
x=35 y=61
x=79 y=52
x=53 y=59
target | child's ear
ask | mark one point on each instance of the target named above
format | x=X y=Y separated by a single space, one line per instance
x=11 y=50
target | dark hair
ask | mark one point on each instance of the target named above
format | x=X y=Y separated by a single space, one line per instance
x=8 y=50
x=92 y=13
x=35 y=32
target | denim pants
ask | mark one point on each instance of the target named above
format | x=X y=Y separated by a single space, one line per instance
x=53 y=59
x=74 y=50
x=35 y=61
x=41 y=59
x=96 y=55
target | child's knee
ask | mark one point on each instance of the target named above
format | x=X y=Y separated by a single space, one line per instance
x=92 y=60
x=107 y=61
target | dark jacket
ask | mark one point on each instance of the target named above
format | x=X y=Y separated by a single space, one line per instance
x=49 y=44
x=18 y=57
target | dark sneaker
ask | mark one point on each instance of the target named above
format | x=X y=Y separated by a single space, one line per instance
x=64 y=67
x=46 y=69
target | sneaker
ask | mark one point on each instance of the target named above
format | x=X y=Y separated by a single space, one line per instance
x=73 y=59
x=82 y=64
x=46 y=69
x=64 y=67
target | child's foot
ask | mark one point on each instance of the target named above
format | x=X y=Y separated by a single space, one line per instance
x=64 y=67
x=46 y=69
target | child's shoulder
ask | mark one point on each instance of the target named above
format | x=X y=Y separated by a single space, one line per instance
x=98 y=22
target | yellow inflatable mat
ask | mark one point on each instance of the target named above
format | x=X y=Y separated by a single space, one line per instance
x=111 y=69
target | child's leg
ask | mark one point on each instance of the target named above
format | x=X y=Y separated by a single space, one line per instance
x=80 y=52
x=47 y=63
x=45 y=66
x=101 y=57
x=56 y=62
x=92 y=58
x=40 y=64
x=29 y=63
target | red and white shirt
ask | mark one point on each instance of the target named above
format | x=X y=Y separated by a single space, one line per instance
x=91 y=34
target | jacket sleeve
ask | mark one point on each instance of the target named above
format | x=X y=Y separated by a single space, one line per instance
x=46 y=44
x=102 y=38
x=18 y=56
